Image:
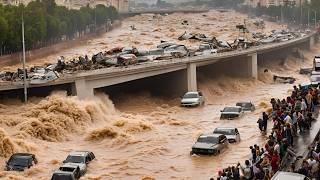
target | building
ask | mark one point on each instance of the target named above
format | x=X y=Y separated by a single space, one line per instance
x=121 y=5
x=267 y=3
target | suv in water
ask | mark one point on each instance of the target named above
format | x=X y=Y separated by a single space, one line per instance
x=20 y=162
x=210 y=144
x=67 y=172
x=232 y=134
x=246 y=106
x=81 y=159
x=231 y=112
x=192 y=99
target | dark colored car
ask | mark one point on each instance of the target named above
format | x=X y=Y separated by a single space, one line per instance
x=232 y=134
x=20 y=162
x=231 y=112
x=63 y=175
x=246 y=106
x=67 y=172
x=210 y=144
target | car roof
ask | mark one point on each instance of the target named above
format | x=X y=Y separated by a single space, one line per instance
x=22 y=154
x=225 y=128
x=72 y=165
x=62 y=172
x=79 y=153
x=211 y=135
x=287 y=175
x=229 y=107
x=192 y=92
x=244 y=102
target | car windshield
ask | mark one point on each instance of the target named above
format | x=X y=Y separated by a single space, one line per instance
x=208 y=139
x=190 y=95
x=69 y=169
x=75 y=159
x=225 y=131
x=231 y=109
x=62 y=177
x=16 y=161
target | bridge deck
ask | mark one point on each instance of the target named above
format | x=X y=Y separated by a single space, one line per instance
x=157 y=65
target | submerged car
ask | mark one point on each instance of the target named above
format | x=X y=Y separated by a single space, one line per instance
x=67 y=172
x=210 y=144
x=20 y=162
x=231 y=112
x=246 y=106
x=81 y=159
x=232 y=134
x=316 y=63
x=192 y=99
x=288 y=175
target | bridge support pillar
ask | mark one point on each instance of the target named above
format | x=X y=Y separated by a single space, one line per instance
x=192 y=77
x=253 y=65
x=81 y=89
x=311 y=42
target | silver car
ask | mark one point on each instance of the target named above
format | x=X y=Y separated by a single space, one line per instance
x=246 y=106
x=192 y=99
x=232 y=134
x=231 y=112
x=280 y=175
x=81 y=159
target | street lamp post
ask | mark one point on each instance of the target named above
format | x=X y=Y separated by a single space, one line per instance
x=315 y=19
x=24 y=64
x=308 y=17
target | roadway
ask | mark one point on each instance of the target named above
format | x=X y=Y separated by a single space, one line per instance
x=159 y=67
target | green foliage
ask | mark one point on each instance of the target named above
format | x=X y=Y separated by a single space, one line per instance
x=45 y=22
x=291 y=14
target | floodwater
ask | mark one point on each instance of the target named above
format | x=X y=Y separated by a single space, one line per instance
x=143 y=137
x=151 y=29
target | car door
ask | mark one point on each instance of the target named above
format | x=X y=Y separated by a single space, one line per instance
x=223 y=142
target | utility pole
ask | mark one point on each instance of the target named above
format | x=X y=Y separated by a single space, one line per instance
x=300 y=13
x=24 y=62
x=315 y=19
x=95 y=16
x=281 y=14
x=308 y=17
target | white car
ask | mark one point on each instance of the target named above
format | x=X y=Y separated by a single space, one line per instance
x=231 y=112
x=288 y=175
x=192 y=99
x=232 y=134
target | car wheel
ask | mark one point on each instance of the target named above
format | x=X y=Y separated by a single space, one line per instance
x=218 y=152
x=191 y=153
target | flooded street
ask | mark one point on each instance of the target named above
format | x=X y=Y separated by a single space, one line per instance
x=151 y=29
x=143 y=136
x=139 y=136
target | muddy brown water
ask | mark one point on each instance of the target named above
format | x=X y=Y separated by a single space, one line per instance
x=144 y=136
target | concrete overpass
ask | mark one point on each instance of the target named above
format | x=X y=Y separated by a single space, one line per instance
x=242 y=62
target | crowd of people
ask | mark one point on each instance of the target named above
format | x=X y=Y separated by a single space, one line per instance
x=291 y=117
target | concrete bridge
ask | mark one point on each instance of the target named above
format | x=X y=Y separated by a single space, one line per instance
x=241 y=63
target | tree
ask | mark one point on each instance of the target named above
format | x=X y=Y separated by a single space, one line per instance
x=4 y=31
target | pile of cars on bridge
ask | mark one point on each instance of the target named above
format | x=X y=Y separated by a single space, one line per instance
x=74 y=167
x=121 y=56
